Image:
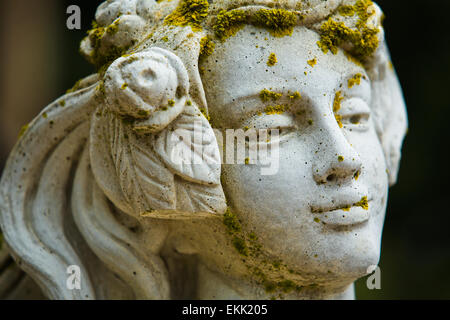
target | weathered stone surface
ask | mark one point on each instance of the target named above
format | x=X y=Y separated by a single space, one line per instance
x=129 y=175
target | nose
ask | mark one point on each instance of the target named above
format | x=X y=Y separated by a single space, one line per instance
x=335 y=161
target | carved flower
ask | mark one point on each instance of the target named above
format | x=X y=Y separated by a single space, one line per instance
x=150 y=88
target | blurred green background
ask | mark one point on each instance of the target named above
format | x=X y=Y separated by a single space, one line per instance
x=40 y=61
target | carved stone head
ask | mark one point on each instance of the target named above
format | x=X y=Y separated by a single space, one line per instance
x=100 y=179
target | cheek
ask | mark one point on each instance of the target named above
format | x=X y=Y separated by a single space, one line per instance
x=275 y=207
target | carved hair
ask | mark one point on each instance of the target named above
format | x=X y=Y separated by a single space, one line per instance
x=95 y=161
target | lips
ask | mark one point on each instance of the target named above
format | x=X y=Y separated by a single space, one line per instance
x=344 y=214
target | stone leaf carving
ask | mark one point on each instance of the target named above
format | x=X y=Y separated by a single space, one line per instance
x=136 y=150
x=190 y=149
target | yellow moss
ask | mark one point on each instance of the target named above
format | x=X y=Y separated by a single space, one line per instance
x=364 y=39
x=340 y=158
x=278 y=22
x=337 y=106
x=247 y=161
x=189 y=13
x=228 y=23
x=124 y=86
x=62 y=103
x=363 y=203
x=312 y=62
x=165 y=39
x=23 y=130
x=272 y=60
x=296 y=95
x=355 y=80
x=205 y=114
x=206 y=47
x=113 y=28
x=267 y=95
x=278 y=109
x=44 y=115
x=346 y=11
x=356 y=176
x=171 y=103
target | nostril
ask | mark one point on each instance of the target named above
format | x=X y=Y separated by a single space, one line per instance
x=331 y=177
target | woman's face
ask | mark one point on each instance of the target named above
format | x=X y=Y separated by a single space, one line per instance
x=309 y=213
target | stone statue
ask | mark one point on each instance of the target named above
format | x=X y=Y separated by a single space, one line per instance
x=95 y=180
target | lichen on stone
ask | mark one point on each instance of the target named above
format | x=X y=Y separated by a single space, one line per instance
x=266 y=95
x=206 y=47
x=363 y=203
x=189 y=13
x=278 y=109
x=355 y=80
x=272 y=60
x=312 y=62
x=278 y=22
x=364 y=39
x=337 y=106
x=228 y=23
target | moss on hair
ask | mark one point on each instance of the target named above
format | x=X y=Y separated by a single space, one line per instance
x=278 y=22
x=228 y=23
x=206 y=47
x=189 y=13
x=364 y=39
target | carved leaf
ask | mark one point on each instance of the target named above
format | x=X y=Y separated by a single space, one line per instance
x=189 y=148
x=146 y=184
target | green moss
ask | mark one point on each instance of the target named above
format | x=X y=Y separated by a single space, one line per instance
x=240 y=245
x=231 y=222
x=144 y=113
x=75 y=87
x=165 y=39
x=189 y=13
x=272 y=60
x=23 y=130
x=228 y=23
x=267 y=95
x=278 y=22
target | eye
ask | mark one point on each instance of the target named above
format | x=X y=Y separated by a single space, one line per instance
x=271 y=128
x=355 y=114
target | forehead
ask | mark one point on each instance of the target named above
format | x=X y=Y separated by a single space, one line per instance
x=238 y=69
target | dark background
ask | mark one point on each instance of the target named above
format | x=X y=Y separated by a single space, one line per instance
x=40 y=61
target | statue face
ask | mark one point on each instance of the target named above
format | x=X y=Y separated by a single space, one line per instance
x=309 y=214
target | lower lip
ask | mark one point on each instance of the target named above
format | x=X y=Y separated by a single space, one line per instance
x=356 y=215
